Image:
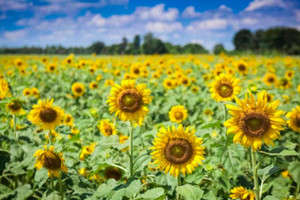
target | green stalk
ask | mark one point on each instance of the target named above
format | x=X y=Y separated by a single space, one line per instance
x=61 y=188
x=178 y=184
x=255 y=176
x=131 y=148
x=15 y=126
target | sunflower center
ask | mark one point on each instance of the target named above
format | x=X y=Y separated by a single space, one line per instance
x=297 y=120
x=178 y=115
x=51 y=161
x=16 y=105
x=78 y=90
x=254 y=124
x=112 y=172
x=136 y=71
x=130 y=100
x=225 y=90
x=271 y=80
x=68 y=119
x=108 y=130
x=242 y=67
x=284 y=82
x=178 y=151
x=48 y=115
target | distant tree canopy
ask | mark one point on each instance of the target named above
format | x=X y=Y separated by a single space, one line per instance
x=281 y=39
x=218 y=49
x=150 y=45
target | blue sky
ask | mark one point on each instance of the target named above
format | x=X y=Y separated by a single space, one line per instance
x=81 y=22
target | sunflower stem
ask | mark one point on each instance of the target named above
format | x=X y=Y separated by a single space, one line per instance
x=131 y=149
x=255 y=176
x=61 y=188
x=15 y=126
x=178 y=184
x=50 y=137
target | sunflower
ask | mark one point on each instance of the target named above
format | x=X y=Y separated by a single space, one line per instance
x=177 y=150
x=195 y=89
x=53 y=162
x=185 y=81
x=123 y=138
x=4 y=88
x=270 y=79
x=242 y=193
x=298 y=88
x=294 y=119
x=225 y=87
x=128 y=101
x=45 y=115
x=93 y=85
x=78 y=89
x=178 y=114
x=15 y=107
x=169 y=83
x=51 y=67
x=255 y=122
x=241 y=67
x=35 y=92
x=284 y=83
x=68 y=120
x=26 y=92
x=87 y=150
x=106 y=127
x=112 y=172
x=289 y=74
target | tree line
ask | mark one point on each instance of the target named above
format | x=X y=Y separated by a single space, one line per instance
x=281 y=40
x=150 y=45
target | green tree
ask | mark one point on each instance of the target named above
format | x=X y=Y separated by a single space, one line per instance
x=243 y=40
x=219 y=48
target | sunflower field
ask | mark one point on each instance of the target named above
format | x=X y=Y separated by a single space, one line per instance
x=150 y=127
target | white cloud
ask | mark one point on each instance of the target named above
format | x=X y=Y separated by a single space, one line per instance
x=257 y=4
x=157 y=13
x=190 y=12
x=249 y=21
x=197 y=41
x=98 y=20
x=297 y=13
x=223 y=7
x=209 y=24
x=162 y=27
x=15 y=35
x=6 y=5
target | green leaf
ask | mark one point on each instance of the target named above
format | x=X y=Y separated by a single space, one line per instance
x=40 y=177
x=289 y=153
x=270 y=198
x=295 y=171
x=216 y=124
x=152 y=194
x=23 y=192
x=267 y=171
x=190 y=192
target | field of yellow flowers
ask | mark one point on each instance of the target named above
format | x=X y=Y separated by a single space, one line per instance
x=150 y=127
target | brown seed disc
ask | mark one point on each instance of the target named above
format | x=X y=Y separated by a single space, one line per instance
x=48 y=115
x=178 y=151
x=78 y=89
x=242 y=67
x=254 y=123
x=297 y=120
x=15 y=105
x=112 y=172
x=225 y=89
x=129 y=100
x=51 y=161
x=178 y=115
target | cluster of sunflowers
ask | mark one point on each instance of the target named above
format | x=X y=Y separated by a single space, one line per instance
x=144 y=115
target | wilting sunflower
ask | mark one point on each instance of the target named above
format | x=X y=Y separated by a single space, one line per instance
x=255 y=122
x=128 y=101
x=78 y=89
x=177 y=150
x=53 y=162
x=87 y=150
x=45 y=115
x=107 y=128
x=178 y=114
x=270 y=79
x=225 y=87
x=15 y=107
x=294 y=119
x=242 y=193
x=112 y=172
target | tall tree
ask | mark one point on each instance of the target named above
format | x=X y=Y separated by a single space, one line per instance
x=243 y=40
